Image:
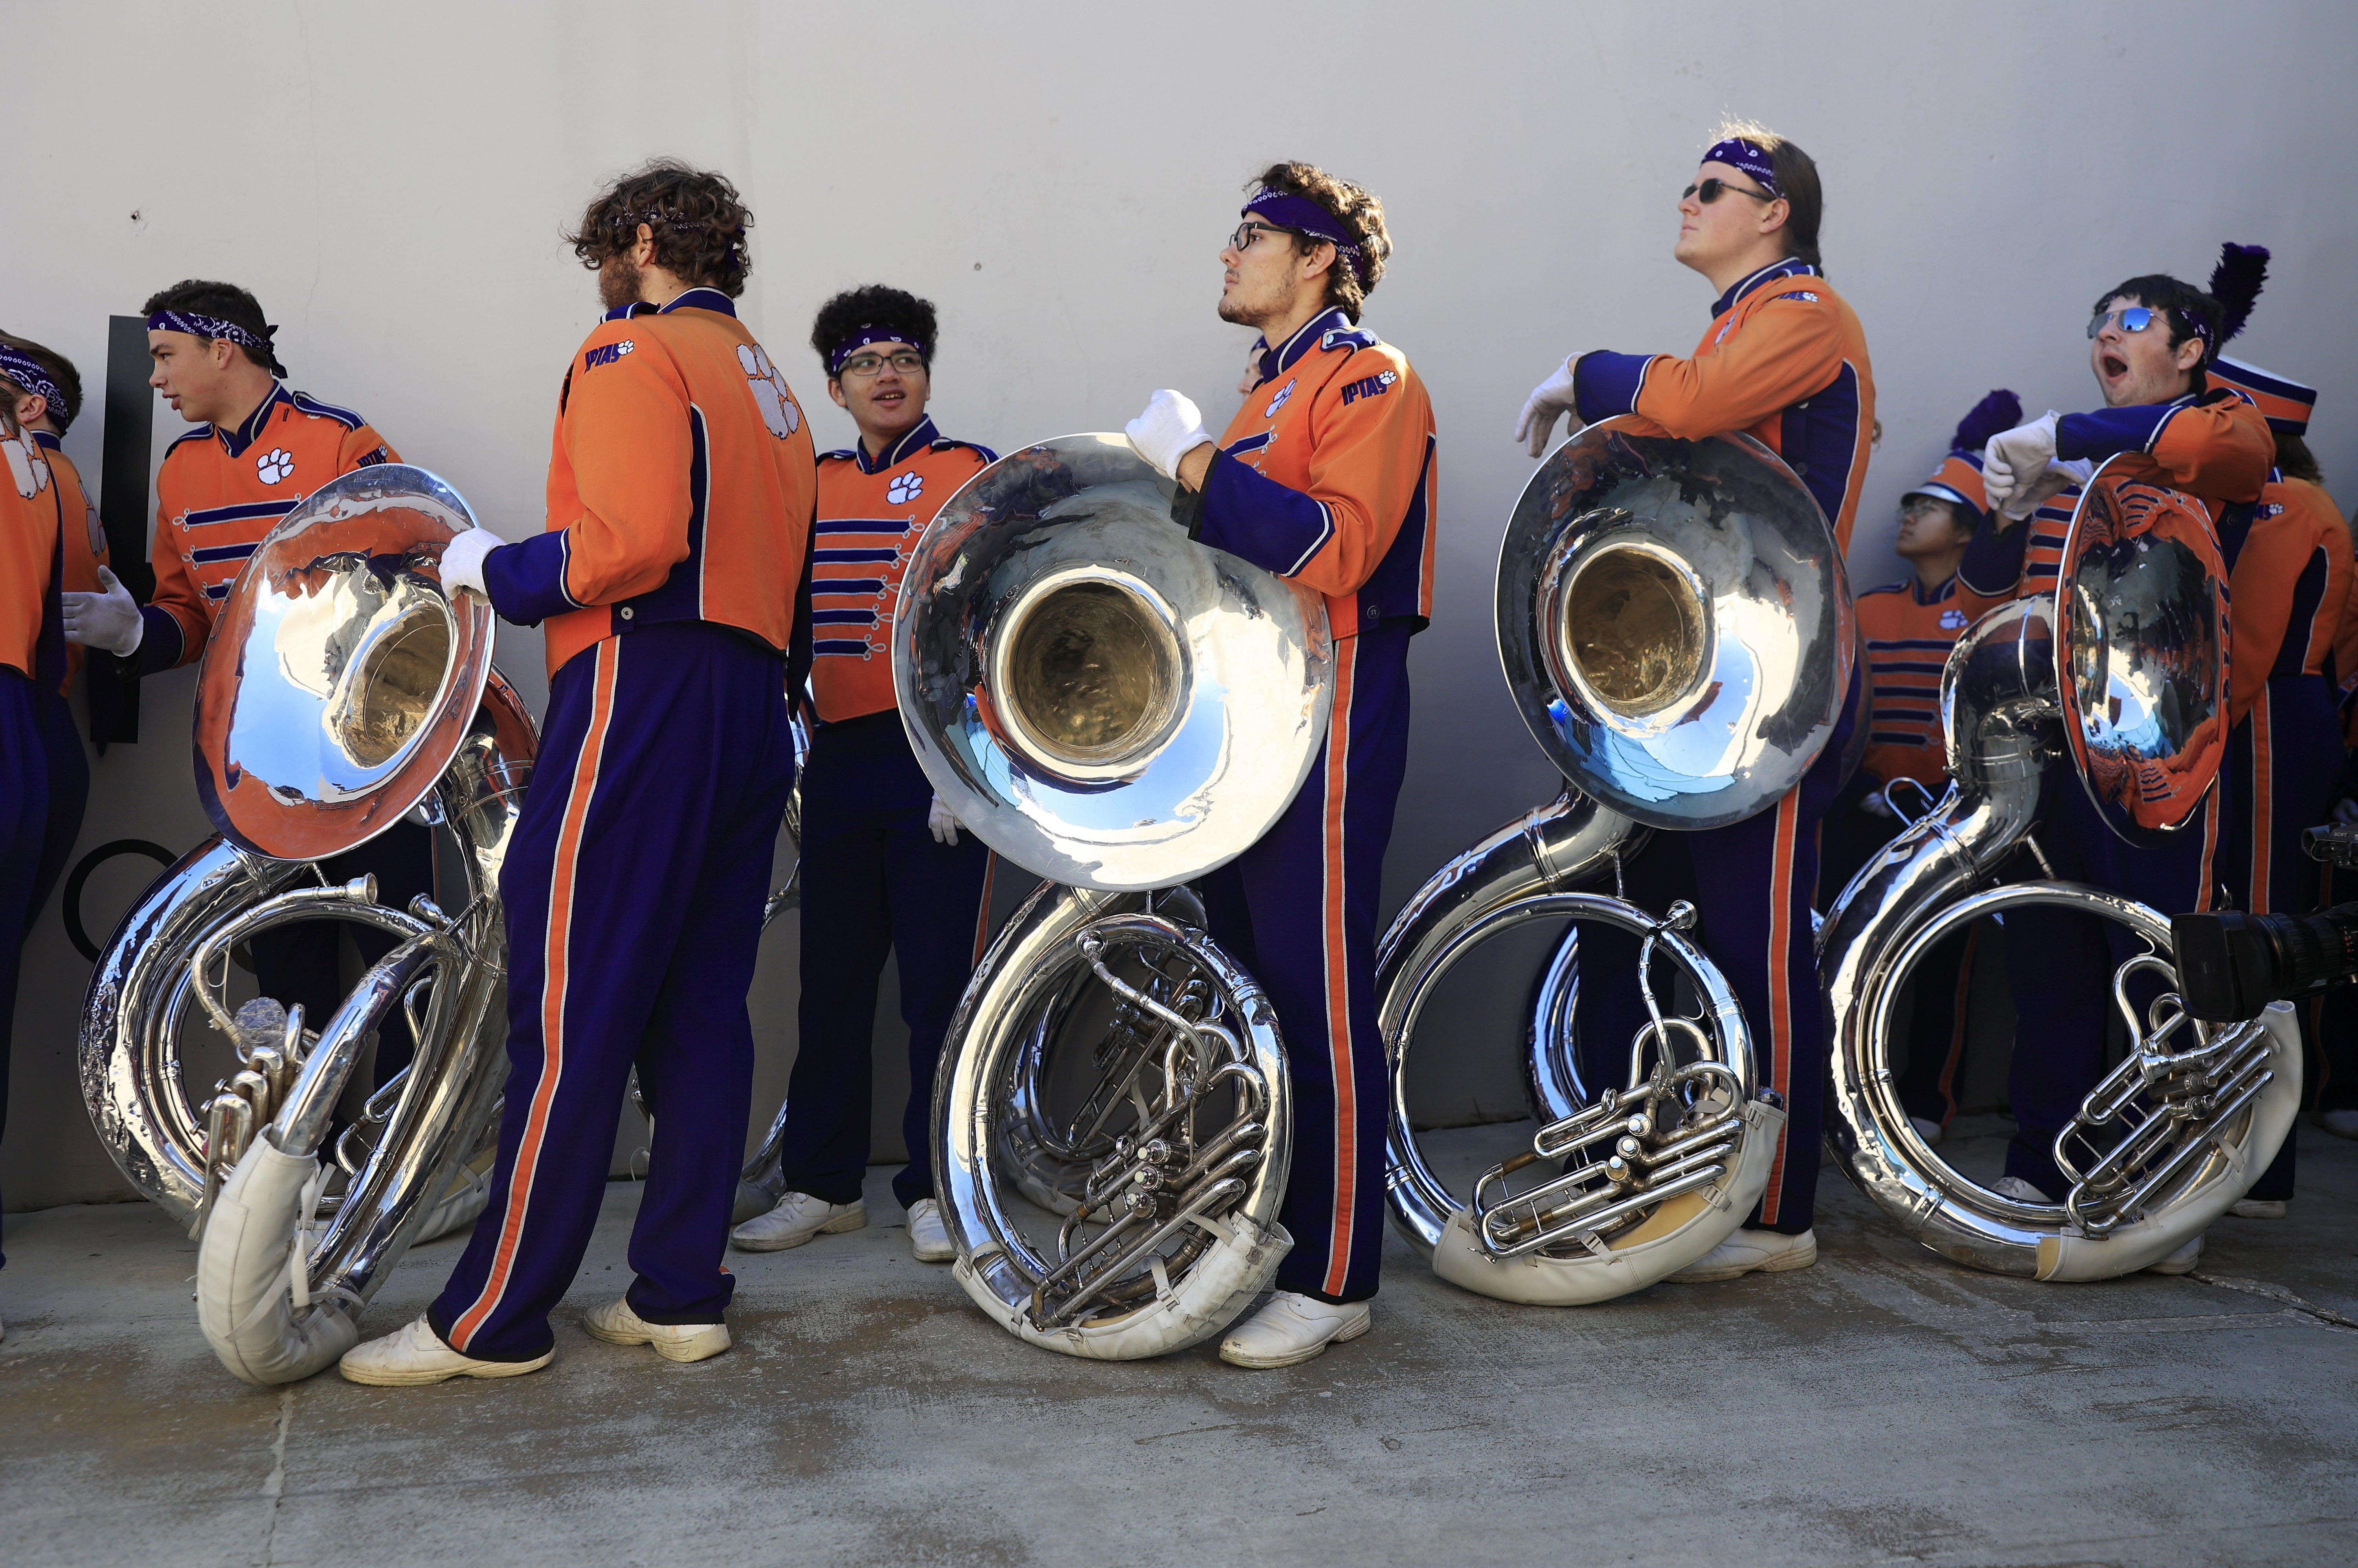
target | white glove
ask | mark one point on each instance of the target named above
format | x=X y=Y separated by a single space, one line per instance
x=108 y=619
x=1171 y=427
x=1550 y=398
x=2015 y=467
x=1875 y=803
x=462 y=561
x=940 y=823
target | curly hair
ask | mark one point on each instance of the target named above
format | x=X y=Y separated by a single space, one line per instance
x=59 y=369
x=1361 y=216
x=877 y=305
x=697 y=221
x=226 y=300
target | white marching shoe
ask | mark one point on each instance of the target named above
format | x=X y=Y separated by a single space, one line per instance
x=797 y=1219
x=2341 y=1124
x=929 y=1238
x=1292 y=1329
x=414 y=1355
x=1767 y=1251
x=2182 y=1262
x=2257 y=1208
x=2018 y=1189
x=1929 y=1130
x=616 y=1323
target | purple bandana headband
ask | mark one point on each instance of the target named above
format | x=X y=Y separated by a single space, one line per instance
x=27 y=373
x=208 y=327
x=868 y=336
x=1305 y=216
x=1737 y=153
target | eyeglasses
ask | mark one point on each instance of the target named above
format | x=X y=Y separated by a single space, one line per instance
x=1248 y=233
x=906 y=361
x=1709 y=190
x=1918 y=506
x=2133 y=318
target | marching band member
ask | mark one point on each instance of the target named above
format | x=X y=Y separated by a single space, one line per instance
x=257 y=450
x=679 y=509
x=885 y=868
x=46 y=391
x=1324 y=475
x=32 y=661
x=2150 y=342
x=2288 y=594
x=1783 y=360
x=1907 y=629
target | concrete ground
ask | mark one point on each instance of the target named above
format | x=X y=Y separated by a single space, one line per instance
x=1884 y=1406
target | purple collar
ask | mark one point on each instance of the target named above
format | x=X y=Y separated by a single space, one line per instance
x=907 y=445
x=1792 y=266
x=694 y=299
x=1945 y=591
x=1276 y=361
x=249 y=429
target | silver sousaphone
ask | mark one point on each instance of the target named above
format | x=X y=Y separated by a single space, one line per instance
x=1116 y=709
x=2128 y=685
x=341 y=691
x=1675 y=629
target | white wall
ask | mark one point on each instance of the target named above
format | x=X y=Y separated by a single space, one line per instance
x=392 y=180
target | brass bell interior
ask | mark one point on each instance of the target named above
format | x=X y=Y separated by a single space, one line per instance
x=1092 y=672
x=1633 y=627
x=390 y=691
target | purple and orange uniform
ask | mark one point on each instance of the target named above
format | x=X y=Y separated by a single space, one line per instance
x=680 y=489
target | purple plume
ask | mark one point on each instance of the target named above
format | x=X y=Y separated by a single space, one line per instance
x=2001 y=410
x=2235 y=283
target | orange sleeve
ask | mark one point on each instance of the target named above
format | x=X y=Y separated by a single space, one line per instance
x=1788 y=348
x=1365 y=462
x=2221 y=448
x=363 y=447
x=625 y=436
x=2260 y=605
x=177 y=593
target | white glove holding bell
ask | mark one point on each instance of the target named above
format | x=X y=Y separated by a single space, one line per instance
x=462 y=561
x=1171 y=427
x=108 y=619
x=1550 y=398
x=941 y=823
x=2016 y=464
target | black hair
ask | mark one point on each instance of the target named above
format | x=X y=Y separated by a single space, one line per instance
x=1360 y=216
x=59 y=369
x=695 y=215
x=2192 y=312
x=228 y=301
x=877 y=305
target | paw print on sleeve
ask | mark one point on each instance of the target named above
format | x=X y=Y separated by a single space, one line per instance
x=770 y=394
x=275 y=466
x=905 y=488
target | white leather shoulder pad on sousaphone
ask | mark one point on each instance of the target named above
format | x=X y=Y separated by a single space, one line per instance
x=339 y=680
x=1105 y=702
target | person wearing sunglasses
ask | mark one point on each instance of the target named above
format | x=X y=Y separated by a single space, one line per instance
x=1324 y=475
x=1784 y=360
x=885 y=867
x=2150 y=342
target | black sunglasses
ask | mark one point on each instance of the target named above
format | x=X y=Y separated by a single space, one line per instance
x=1709 y=190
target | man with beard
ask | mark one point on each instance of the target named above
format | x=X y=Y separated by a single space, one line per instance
x=1324 y=475
x=679 y=513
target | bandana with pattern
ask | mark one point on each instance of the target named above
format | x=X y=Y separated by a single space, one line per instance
x=190 y=321
x=867 y=336
x=1305 y=216
x=26 y=372
x=1748 y=156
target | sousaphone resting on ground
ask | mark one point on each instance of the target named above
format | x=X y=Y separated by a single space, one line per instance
x=340 y=692
x=1676 y=631
x=1116 y=709
x=2127 y=681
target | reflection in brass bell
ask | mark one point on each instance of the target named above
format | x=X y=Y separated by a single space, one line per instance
x=1636 y=630
x=1091 y=670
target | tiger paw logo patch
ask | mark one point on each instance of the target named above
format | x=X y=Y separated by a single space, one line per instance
x=1278 y=401
x=1953 y=620
x=27 y=469
x=275 y=466
x=905 y=488
x=770 y=394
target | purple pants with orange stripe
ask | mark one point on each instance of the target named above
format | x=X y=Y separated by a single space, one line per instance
x=1751 y=883
x=633 y=887
x=1298 y=911
x=2282 y=761
x=874 y=881
x=2061 y=965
